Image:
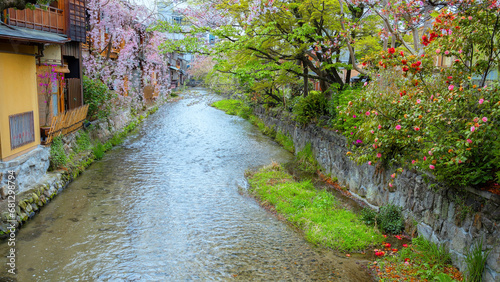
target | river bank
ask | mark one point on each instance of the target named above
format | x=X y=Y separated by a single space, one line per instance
x=277 y=128
x=48 y=170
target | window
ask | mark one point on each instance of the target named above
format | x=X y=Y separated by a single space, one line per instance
x=177 y=20
x=22 y=129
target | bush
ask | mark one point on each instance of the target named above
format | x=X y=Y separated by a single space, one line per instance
x=390 y=219
x=445 y=121
x=310 y=108
x=98 y=150
x=369 y=216
x=82 y=142
x=96 y=94
x=306 y=160
x=58 y=156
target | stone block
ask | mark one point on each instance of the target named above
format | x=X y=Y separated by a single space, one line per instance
x=424 y=230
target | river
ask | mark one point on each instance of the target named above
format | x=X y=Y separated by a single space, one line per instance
x=169 y=204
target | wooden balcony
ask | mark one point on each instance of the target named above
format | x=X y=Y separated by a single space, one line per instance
x=49 y=19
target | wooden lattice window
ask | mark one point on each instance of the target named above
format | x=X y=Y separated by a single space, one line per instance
x=22 y=129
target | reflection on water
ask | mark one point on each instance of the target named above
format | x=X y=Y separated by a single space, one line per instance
x=164 y=206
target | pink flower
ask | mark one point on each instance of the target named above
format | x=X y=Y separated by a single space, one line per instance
x=390 y=184
x=481 y=101
x=469 y=141
x=354 y=116
x=398 y=127
x=366 y=83
x=470 y=18
x=432 y=167
x=379 y=126
x=417 y=128
x=405 y=245
x=447 y=52
x=369 y=162
x=374 y=146
x=376 y=113
x=379 y=155
x=451 y=87
x=413 y=161
x=472 y=128
x=438 y=51
x=393 y=175
x=372 y=132
x=418 y=101
x=485 y=119
x=425 y=158
x=367 y=113
x=430 y=153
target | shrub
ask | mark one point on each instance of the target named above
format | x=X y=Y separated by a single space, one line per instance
x=310 y=108
x=96 y=94
x=369 y=216
x=390 y=219
x=445 y=121
x=58 y=156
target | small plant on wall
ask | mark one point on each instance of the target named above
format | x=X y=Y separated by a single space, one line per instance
x=48 y=85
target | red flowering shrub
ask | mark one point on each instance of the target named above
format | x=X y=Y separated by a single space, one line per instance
x=443 y=119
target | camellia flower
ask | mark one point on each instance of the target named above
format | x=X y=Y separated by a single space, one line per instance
x=430 y=153
x=398 y=127
x=469 y=141
x=379 y=155
x=390 y=184
x=413 y=161
x=393 y=175
x=485 y=119
x=451 y=87
x=417 y=128
x=438 y=51
x=379 y=126
x=432 y=167
x=418 y=101
x=425 y=158
x=354 y=116
x=367 y=113
x=372 y=132
x=391 y=50
x=405 y=245
x=472 y=128
x=402 y=54
x=446 y=52
x=481 y=101
x=369 y=162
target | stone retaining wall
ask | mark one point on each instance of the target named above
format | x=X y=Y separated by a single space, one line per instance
x=444 y=215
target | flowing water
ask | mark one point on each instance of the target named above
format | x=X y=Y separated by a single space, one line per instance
x=166 y=205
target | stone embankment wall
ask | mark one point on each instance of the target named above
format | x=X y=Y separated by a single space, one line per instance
x=35 y=186
x=444 y=215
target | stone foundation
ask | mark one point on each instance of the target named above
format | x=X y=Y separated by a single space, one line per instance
x=444 y=215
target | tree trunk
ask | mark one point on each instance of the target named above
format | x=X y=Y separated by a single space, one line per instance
x=306 y=80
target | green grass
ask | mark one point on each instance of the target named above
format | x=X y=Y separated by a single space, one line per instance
x=234 y=107
x=306 y=160
x=476 y=261
x=317 y=213
x=285 y=141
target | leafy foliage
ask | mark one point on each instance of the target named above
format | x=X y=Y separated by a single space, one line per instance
x=476 y=261
x=390 y=219
x=310 y=108
x=58 y=156
x=96 y=94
